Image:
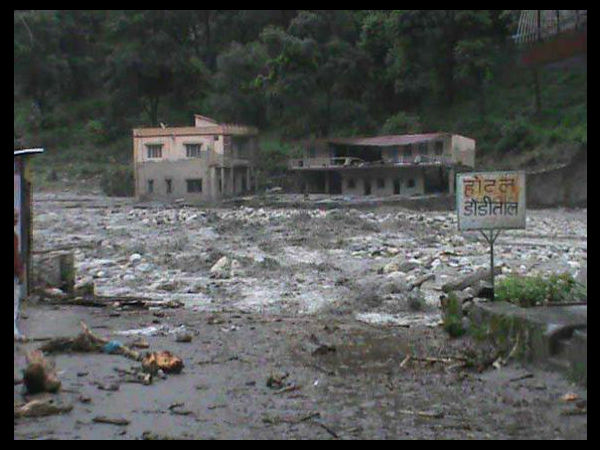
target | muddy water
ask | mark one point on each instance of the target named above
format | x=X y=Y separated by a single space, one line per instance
x=305 y=276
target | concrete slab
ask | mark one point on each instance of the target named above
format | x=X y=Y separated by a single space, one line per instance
x=554 y=336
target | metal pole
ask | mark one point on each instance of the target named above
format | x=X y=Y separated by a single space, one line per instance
x=492 y=261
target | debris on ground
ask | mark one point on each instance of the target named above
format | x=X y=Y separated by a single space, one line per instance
x=569 y=397
x=183 y=336
x=41 y=408
x=40 y=374
x=88 y=342
x=164 y=360
x=140 y=343
x=111 y=420
x=276 y=381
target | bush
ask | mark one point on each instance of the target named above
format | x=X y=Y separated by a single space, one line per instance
x=453 y=316
x=531 y=291
x=118 y=182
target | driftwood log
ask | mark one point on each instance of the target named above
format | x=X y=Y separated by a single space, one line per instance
x=469 y=280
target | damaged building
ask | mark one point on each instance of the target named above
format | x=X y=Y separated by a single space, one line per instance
x=206 y=162
x=413 y=164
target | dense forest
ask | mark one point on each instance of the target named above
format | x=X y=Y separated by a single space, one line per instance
x=84 y=79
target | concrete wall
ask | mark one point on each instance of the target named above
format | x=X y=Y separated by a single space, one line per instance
x=463 y=150
x=565 y=186
x=178 y=172
x=173 y=147
x=388 y=177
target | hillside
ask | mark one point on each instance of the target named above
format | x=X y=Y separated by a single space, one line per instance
x=294 y=74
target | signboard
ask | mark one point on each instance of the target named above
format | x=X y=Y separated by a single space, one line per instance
x=490 y=200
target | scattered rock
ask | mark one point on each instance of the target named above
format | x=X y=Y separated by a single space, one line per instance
x=183 y=336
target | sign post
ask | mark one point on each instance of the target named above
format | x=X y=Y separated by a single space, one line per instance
x=491 y=201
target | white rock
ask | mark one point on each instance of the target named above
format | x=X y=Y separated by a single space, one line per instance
x=135 y=258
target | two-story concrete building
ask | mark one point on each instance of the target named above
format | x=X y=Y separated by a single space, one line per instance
x=206 y=162
x=413 y=164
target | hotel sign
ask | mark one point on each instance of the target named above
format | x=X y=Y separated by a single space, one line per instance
x=490 y=200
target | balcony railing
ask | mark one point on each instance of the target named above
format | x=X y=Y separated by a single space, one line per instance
x=350 y=162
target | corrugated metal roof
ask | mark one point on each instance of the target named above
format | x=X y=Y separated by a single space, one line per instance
x=386 y=141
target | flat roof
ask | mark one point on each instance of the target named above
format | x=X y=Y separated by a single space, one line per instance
x=386 y=141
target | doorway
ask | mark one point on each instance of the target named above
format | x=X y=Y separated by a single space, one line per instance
x=367 y=185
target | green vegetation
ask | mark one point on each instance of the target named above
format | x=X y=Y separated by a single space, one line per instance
x=529 y=291
x=84 y=79
x=453 y=316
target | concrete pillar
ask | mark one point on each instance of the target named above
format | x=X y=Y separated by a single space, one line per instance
x=214 y=188
x=223 y=182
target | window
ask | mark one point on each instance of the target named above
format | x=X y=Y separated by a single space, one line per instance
x=439 y=148
x=407 y=152
x=194 y=185
x=411 y=183
x=150 y=186
x=423 y=149
x=193 y=150
x=351 y=183
x=380 y=183
x=169 y=186
x=154 y=150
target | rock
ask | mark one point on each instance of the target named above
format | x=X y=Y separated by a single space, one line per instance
x=54 y=293
x=144 y=267
x=221 y=268
x=183 y=337
x=391 y=267
x=84 y=288
x=395 y=283
x=135 y=258
x=466 y=323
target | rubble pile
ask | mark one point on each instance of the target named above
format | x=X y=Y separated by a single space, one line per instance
x=300 y=259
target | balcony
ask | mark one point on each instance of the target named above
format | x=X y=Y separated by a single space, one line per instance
x=219 y=160
x=357 y=163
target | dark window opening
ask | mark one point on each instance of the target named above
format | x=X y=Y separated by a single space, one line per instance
x=193 y=150
x=194 y=185
x=380 y=183
x=351 y=183
x=367 y=187
x=423 y=149
x=150 y=186
x=154 y=150
x=169 y=184
x=439 y=148
x=396 y=187
x=411 y=183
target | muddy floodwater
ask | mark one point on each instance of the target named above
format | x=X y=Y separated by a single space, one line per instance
x=301 y=319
